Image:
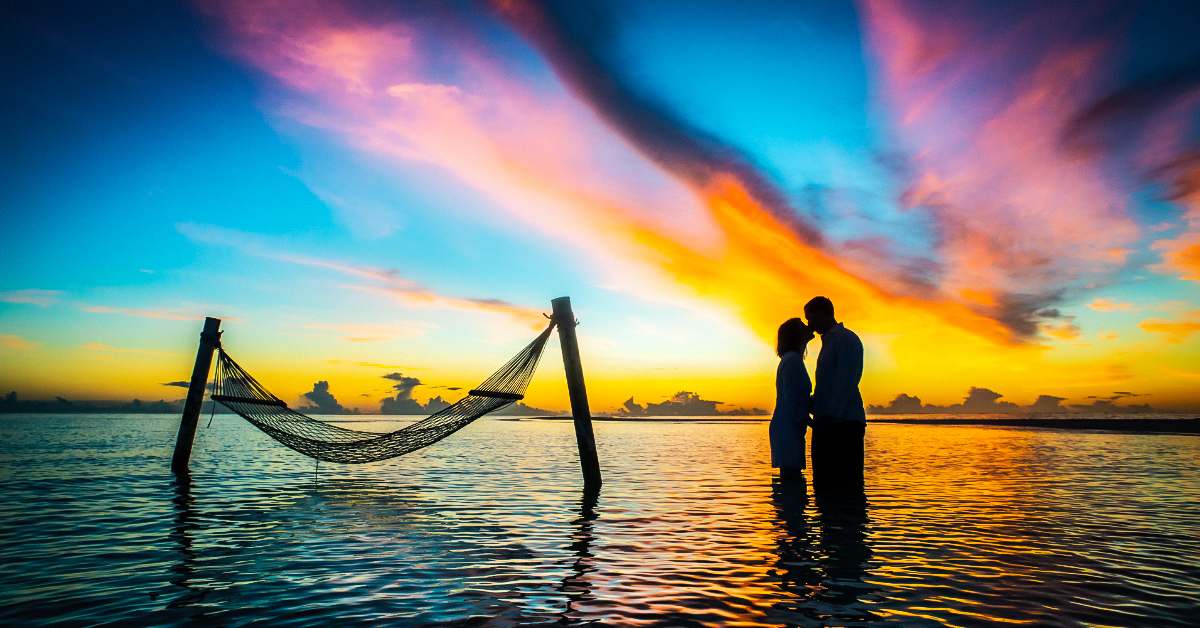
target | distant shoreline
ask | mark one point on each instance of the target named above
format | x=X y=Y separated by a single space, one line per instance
x=1180 y=426
x=1176 y=426
x=733 y=418
x=1116 y=424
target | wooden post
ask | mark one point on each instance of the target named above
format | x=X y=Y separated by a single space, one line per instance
x=579 y=403
x=195 y=397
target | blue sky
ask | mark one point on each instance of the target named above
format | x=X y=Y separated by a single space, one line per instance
x=689 y=173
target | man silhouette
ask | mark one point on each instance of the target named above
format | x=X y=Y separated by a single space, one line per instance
x=839 y=420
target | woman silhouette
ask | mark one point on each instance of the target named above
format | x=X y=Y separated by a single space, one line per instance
x=792 y=392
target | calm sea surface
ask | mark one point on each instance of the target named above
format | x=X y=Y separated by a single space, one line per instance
x=961 y=526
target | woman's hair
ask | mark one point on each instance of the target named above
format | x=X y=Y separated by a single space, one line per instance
x=793 y=336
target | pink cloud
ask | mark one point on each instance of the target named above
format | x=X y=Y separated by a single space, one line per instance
x=1011 y=218
x=392 y=283
x=980 y=104
x=541 y=154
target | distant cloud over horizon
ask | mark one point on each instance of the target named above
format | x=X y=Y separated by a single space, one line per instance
x=403 y=402
x=323 y=401
x=985 y=401
x=682 y=403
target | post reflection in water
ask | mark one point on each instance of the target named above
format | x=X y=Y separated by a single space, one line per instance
x=185 y=523
x=822 y=561
x=576 y=586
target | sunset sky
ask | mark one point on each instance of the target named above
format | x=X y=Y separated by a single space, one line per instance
x=1004 y=197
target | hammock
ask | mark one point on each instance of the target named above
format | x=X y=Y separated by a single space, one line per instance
x=241 y=393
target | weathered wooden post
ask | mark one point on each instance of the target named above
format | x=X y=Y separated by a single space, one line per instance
x=209 y=338
x=565 y=319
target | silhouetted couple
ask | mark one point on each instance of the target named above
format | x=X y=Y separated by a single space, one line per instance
x=834 y=409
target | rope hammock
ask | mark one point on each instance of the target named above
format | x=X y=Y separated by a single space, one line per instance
x=241 y=393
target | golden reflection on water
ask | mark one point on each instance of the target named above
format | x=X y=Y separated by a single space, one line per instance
x=955 y=526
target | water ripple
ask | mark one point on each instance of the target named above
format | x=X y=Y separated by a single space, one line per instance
x=959 y=525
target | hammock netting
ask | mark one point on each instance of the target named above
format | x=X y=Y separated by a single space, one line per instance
x=241 y=393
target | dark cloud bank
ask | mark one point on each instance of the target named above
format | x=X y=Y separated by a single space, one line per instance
x=320 y=400
x=682 y=403
x=403 y=402
x=984 y=401
x=10 y=404
x=324 y=402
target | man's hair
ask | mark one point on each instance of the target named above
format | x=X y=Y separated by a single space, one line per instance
x=819 y=305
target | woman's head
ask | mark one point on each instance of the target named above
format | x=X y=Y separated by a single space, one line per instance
x=793 y=336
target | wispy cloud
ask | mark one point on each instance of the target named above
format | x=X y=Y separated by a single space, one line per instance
x=376 y=365
x=645 y=329
x=13 y=341
x=1062 y=330
x=1172 y=306
x=1181 y=255
x=1178 y=372
x=665 y=210
x=43 y=298
x=173 y=315
x=387 y=282
x=96 y=346
x=978 y=99
x=1176 y=330
x=371 y=332
x=682 y=222
x=1149 y=126
x=1109 y=304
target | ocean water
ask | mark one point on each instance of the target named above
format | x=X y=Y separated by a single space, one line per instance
x=958 y=526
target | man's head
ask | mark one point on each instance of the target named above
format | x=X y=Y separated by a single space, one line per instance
x=819 y=313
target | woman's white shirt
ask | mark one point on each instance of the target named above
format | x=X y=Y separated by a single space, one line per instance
x=792 y=390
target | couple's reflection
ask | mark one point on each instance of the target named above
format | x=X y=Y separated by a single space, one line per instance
x=576 y=586
x=823 y=560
